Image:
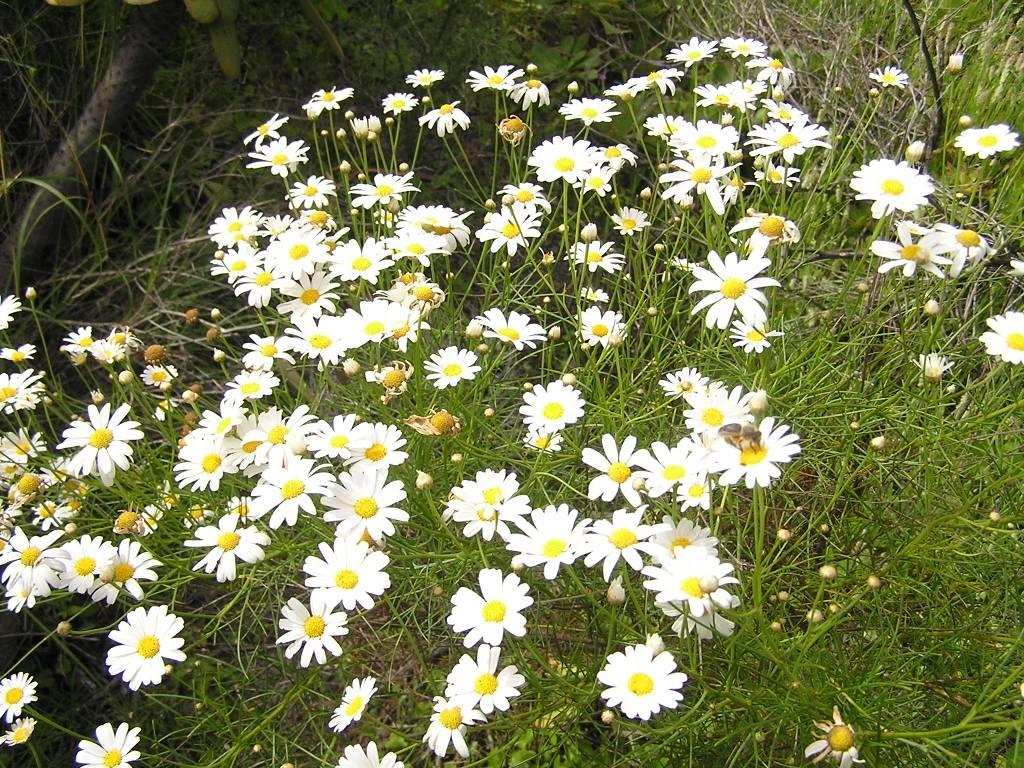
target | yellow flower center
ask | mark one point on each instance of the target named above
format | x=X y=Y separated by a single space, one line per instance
x=755 y=336
x=753 y=455
x=622 y=538
x=640 y=684
x=485 y=684
x=892 y=187
x=308 y=297
x=914 y=252
x=279 y=159
x=533 y=83
x=298 y=251
x=594 y=256
x=564 y=164
x=452 y=369
x=14 y=695
x=619 y=472
x=988 y=140
x=450 y=718
x=365 y=507
x=629 y=224
x=228 y=540
x=211 y=463
x=494 y=611
x=360 y=263
x=346 y=579
x=733 y=288
x=148 y=647
x=339 y=441
x=707 y=142
x=509 y=231
x=101 y=438
x=263 y=279
x=788 y=140
x=249 y=388
x=355 y=706
x=319 y=341
x=446 y=109
x=553 y=411
x=123 y=572
x=701 y=175
x=314 y=626
x=393 y=379
x=6 y=393
x=691 y=586
x=20 y=735
x=277 y=435
x=375 y=452
x=29 y=555
x=673 y=472
x=682 y=542
x=553 y=547
x=772 y=226
x=373 y=328
x=126 y=520
x=712 y=417
x=85 y=565
x=840 y=738
x=235 y=226
x=1015 y=341
x=112 y=758
x=968 y=238
x=29 y=484
x=599 y=329
x=292 y=488
x=589 y=112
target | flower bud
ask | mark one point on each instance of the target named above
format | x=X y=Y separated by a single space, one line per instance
x=215 y=314
x=474 y=329
x=483 y=348
x=878 y=442
x=736 y=156
x=955 y=63
x=531 y=68
x=218 y=355
x=64 y=628
x=608 y=717
x=351 y=367
x=423 y=480
x=966 y=121
x=758 y=402
x=874 y=582
x=188 y=396
x=655 y=644
x=931 y=308
x=403 y=167
x=726 y=119
x=569 y=379
x=784 y=535
x=125 y=377
x=30 y=293
x=827 y=572
x=573 y=88
x=589 y=233
x=645 y=193
x=345 y=166
x=616 y=594
x=457 y=458
x=97 y=397
x=555 y=333
x=914 y=152
x=708 y=584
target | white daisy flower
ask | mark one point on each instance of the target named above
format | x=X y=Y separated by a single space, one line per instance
x=640 y=682
x=477 y=683
x=313 y=630
x=486 y=616
x=111 y=749
x=350 y=570
x=356 y=696
x=624 y=536
x=144 y=642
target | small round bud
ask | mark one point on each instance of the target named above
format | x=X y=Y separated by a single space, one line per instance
x=30 y=294
x=638 y=483
x=70 y=529
x=345 y=166
x=931 y=308
x=190 y=316
x=349 y=114
x=833 y=608
x=507 y=201
x=775 y=626
x=188 y=396
x=874 y=582
x=655 y=644
x=569 y=379
x=608 y=717
x=488 y=412
x=573 y=88
x=645 y=193
x=652 y=311
x=518 y=565
x=426 y=101
x=783 y=596
x=154 y=354
x=758 y=402
x=589 y=233
x=212 y=334
x=483 y=349
x=708 y=584
x=659 y=247
x=736 y=156
x=815 y=616
x=616 y=594
x=827 y=572
x=351 y=367
x=255 y=747
x=437 y=591
x=97 y=397
x=862 y=286
x=554 y=333
x=615 y=340
x=726 y=119
x=854 y=425
x=125 y=377
x=955 y=62
x=218 y=355
x=873 y=92
x=531 y=68
x=965 y=121
x=824 y=527
x=914 y=152
x=784 y=535
x=403 y=167
x=878 y=442
x=489 y=204
x=994 y=516
x=457 y=458
x=474 y=329
x=215 y=314
x=64 y=628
